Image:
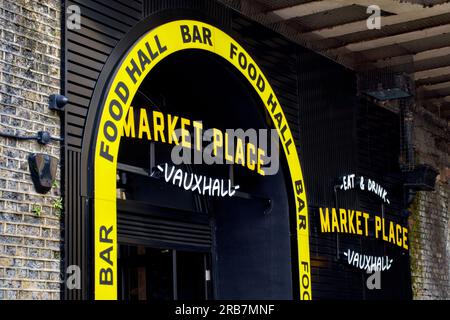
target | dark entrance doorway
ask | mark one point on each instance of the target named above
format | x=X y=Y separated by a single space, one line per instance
x=163 y=274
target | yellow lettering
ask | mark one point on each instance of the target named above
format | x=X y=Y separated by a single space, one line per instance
x=398 y=230
x=198 y=127
x=391 y=232
x=358 y=223
x=217 y=140
x=366 y=223
x=239 y=158
x=171 y=123
x=405 y=238
x=260 y=162
x=385 y=238
x=158 y=125
x=334 y=221
x=377 y=226
x=324 y=220
x=351 y=226
x=227 y=155
x=143 y=125
x=185 y=133
x=343 y=217
x=251 y=150
x=128 y=127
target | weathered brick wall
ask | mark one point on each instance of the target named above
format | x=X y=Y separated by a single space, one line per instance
x=30 y=240
x=430 y=219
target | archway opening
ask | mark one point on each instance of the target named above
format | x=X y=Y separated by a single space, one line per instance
x=175 y=243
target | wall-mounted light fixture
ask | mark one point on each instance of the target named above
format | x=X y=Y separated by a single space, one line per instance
x=387 y=87
x=43 y=171
x=422 y=178
x=387 y=94
x=57 y=102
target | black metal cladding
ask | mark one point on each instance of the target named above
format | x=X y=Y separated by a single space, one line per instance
x=335 y=134
x=103 y=24
x=327 y=151
x=342 y=134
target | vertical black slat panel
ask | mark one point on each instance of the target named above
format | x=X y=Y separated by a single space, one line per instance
x=87 y=233
x=72 y=234
x=75 y=236
x=76 y=183
x=67 y=163
x=76 y=208
x=67 y=216
x=68 y=234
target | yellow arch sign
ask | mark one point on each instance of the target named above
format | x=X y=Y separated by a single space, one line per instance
x=145 y=54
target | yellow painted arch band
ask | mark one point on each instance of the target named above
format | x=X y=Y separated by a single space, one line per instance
x=141 y=58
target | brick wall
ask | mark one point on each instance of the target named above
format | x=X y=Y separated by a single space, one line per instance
x=30 y=238
x=430 y=219
x=30 y=243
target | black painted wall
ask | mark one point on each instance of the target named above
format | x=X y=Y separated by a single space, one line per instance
x=342 y=133
x=335 y=132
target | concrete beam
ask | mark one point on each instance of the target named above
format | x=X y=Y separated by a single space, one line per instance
x=438 y=86
x=359 y=26
x=431 y=73
x=397 y=39
x=411 y=59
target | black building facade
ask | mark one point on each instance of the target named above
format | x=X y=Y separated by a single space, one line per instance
x=329 y=224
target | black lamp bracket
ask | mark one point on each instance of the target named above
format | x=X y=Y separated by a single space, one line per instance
x=43 y=137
